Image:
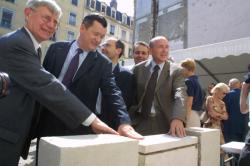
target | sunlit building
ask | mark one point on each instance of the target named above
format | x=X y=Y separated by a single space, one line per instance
x=120 y=25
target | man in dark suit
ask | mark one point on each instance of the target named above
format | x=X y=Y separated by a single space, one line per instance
x=114 y=49
x=31 y=82
x=161 y=93
x=244 y=159
x=94 y=72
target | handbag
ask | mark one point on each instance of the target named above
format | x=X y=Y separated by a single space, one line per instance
x=204 y=117
x=205 y=120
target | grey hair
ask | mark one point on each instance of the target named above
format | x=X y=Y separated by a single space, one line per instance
x=50 y=4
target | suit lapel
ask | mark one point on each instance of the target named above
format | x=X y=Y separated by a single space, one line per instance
x=86 y=65
x=30 y=40
x=61 y=55
x=145 y=76
x=163 y=76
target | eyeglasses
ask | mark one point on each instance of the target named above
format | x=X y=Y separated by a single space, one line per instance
x=47 y=19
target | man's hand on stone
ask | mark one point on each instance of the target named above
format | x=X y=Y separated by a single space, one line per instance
x=177 y=128
x=100 y=127
x=128 y=131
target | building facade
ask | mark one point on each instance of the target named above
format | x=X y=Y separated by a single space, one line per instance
x=190 y=23
x=119 y=24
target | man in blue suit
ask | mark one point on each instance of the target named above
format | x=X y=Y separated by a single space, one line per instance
x=114 y=49
x=93 y=72
x=244 y=159
x=19 y=58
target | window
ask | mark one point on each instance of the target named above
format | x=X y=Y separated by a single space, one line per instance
x=131 y=37
x=131 y=22
x=74 y=2
x=72 y=19
x=113 y=13
x=130 y=53
x=112 y=30
x=103 y=8
x=6 y=18
x=71 y=36
x=124 y=33
x=124 y=19
x=12 y=1
x=92 y=4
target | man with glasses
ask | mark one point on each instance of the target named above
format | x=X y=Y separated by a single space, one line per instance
x=20 y=58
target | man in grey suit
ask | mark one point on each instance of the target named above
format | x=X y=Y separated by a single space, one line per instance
x=31 y=82
x=161 y=93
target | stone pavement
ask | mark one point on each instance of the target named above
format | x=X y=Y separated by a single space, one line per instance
x=30 y=161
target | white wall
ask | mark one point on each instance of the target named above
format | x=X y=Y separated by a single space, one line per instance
x=212 y=21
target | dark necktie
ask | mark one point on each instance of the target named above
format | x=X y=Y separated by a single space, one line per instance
x=68 y=77
x=149 y=94
x=39 y=53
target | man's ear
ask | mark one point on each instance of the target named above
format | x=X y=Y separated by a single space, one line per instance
x=119 y=51
x=83 y=27
x=27 y=13
x=150 y=51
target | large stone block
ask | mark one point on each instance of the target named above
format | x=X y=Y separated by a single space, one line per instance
x=209 y=145
x=159 y=150
x=88 y=150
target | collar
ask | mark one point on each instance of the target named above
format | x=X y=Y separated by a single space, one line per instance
x=75 y=46
x=152 y=64
x=113 y=66
x=34 y=41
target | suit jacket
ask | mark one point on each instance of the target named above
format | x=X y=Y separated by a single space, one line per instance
x=170 y=91
x=125 y=81
x=30 y=83
x=95 y=72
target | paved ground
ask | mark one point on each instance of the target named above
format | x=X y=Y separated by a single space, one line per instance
x=31 y=158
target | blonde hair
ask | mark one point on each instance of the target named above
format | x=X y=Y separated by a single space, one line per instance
x=220 y=87
x=188 y=64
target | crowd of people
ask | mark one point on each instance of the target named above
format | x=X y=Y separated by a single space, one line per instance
x=80 y=89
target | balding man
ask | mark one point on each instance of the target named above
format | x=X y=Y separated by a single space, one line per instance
x=114 y=49
x=160 y=93
x=235 y=127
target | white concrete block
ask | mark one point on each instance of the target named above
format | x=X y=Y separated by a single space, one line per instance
x=209 y=145
x=158 y=150
x=88 y=150
x=233 y=147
